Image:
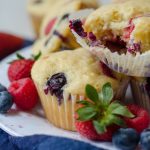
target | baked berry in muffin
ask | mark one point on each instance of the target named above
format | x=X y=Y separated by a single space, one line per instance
x=61 y=78
x=122 y=25
x=119 y=34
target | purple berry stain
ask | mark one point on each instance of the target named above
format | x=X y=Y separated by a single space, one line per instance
x=55 y=84
x=76 y=25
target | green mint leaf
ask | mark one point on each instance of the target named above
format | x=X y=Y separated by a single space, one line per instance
x=19 y=56
x=86 y=113
x=85 y=103
x=123 y=111
x=36 y=57
x=107 y=93
x=100 y=129
x=91 y=93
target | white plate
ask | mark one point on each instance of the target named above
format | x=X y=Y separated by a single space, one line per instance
x=19 y=123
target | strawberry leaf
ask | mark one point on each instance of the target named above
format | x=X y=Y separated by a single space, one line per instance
x=91 y=93
x=122 y=110
x=118 y=121
x=86 y=113
x=36 y=57
x=85 y=103
x=19 y=56
x=106 y=93
x=99 y=127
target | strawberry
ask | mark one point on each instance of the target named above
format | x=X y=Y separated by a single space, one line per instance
x=140 y=121
x=10 y=43
x=100 y=116
x=24 y=93
x=87 y=130
x=19 y=69
x=49 y=26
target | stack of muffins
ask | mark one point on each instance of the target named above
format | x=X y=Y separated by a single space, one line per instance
x=64 y=69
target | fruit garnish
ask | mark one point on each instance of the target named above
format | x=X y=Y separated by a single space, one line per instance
x=24 y=93
x=145 y=140
x=126 y=139
x=55 y=84
x=36 y=57
x=19 y=69
x=101 y=109
x=140 y=121
x=6 y=101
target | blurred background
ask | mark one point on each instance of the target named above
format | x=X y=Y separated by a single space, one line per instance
x=15 y=19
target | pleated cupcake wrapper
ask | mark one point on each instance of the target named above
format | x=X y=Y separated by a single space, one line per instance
x=128 y=64
x=140 y=94
x=61 y=115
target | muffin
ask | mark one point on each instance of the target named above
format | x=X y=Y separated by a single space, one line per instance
x=119 y=35
x=37 y=10
x=61 y=78
x=55 y=32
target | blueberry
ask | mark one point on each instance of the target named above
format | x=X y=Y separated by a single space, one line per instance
x=2 y=88
x=145 y=139
x=126 y=139
x=5 y=101
x=54 y=85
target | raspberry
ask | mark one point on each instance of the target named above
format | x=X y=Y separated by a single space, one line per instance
x=19 y=69
x=24 y=93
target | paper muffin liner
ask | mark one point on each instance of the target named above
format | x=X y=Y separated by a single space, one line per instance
x=141 y=95
x=63 y=115
x=128 y=64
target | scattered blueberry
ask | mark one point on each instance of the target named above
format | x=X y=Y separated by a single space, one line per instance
x=145 y=139
x=126 y=139
x=5 y=101
x=2 y=88
x=55 y=84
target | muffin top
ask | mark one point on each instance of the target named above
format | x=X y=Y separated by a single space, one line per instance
x=111 y=22
x=64 y=7
x=74 y=69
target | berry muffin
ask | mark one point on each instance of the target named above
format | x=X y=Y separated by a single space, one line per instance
x=37 y=10
x=119 y=34
x=61 y=78
x=55 y=27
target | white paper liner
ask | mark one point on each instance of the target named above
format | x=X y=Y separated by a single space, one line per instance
x=141 y=96
x=128 y=64
x=61 y=115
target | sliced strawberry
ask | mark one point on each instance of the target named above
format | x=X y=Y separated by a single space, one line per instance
x=140 y=121
x=49 y=26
